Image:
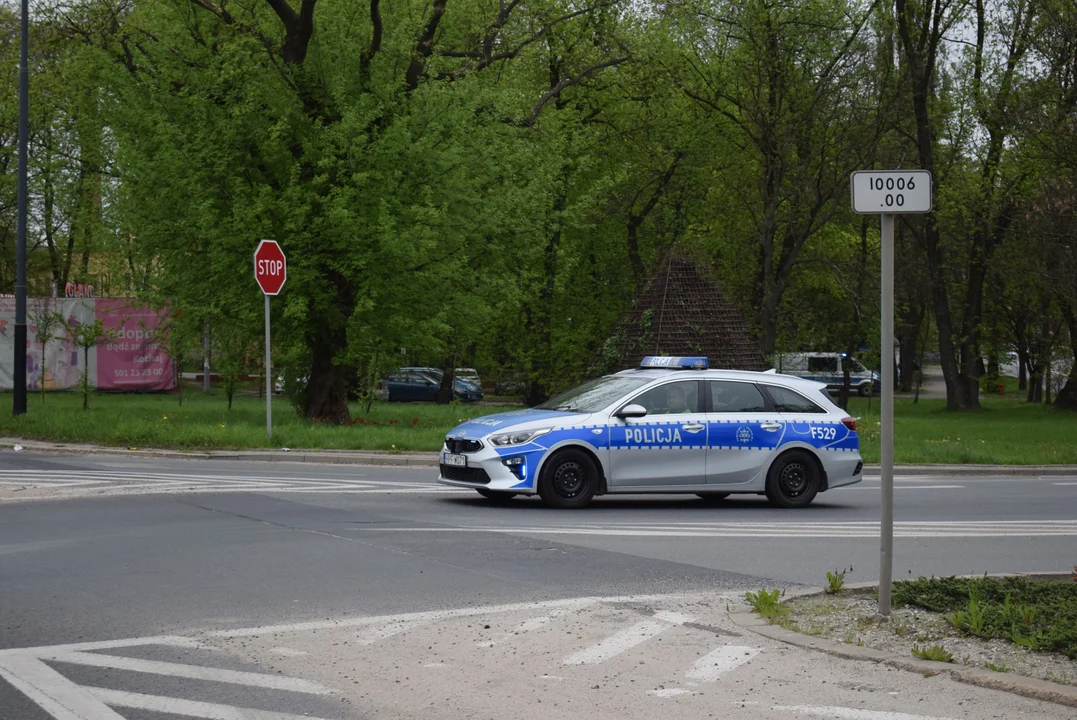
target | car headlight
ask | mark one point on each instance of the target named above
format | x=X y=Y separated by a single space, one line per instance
x=519 y=437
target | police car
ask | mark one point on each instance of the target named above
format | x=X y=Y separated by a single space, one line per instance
x=668 y=426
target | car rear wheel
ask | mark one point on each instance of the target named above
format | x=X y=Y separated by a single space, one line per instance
x=712 y=497
x=495 y=496
x=793 y=480
x=569 y=480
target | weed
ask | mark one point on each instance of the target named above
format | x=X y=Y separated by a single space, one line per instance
x=768 y=604
x=835 y=581
x=901 y=629
x=932 y=652
x=997 y=668
x=849 y=637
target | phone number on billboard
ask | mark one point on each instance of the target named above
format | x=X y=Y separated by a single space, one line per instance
x=142 y=372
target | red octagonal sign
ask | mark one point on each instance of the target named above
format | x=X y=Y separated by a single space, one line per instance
x=270 y=267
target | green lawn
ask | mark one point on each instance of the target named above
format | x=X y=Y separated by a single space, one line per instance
x=1006 y=431
x=204 y=422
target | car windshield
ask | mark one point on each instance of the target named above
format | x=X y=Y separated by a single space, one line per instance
x=595 y=394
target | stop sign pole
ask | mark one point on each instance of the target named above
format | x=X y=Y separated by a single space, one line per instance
x=888 y=193
x=270 y=272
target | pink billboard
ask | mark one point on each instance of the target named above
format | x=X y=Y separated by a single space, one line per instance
x=133 y=360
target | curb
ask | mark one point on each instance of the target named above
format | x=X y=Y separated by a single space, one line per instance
x=378 y=458
x=1018 y=685
x=430 y=459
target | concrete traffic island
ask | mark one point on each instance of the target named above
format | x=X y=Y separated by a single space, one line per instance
x=844 y=625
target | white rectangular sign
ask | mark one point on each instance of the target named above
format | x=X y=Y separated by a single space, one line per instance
x=877 y=192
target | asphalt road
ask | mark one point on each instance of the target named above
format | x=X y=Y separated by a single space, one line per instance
x=143 y=555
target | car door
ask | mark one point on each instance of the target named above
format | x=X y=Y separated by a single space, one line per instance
x=744 y=431
x=806 y=421
x=668 y=446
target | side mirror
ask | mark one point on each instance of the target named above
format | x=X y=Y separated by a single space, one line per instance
x=632 y=411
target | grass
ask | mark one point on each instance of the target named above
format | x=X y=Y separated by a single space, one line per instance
x=204 y=422
x=1040 y=615
x=1006 y=431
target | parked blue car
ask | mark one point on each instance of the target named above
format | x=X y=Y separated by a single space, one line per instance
x=413 y=384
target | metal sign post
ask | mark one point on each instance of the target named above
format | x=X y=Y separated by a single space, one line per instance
x=888 y=192
x=270 y=271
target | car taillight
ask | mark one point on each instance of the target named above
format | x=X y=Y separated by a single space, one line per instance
x=849 y=423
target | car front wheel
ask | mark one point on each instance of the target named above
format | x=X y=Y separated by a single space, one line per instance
x=569 y=480
x=865 y=390
x=793 y=480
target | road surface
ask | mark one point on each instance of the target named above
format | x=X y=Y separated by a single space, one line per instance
x=142 y=588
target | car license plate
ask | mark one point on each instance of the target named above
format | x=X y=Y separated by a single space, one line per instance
x=457 y=460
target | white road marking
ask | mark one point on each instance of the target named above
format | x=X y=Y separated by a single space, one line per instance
x=371 y=635
x=193 y=672
x=626 y=639
x=719 y=661
x=669 y=692
x=540 y=622
x=430 y=616
x=909 y=487
x=189 y=708
x=867 y=529
x=54 y=693
x=98 y=482
x=289 y=652
x=851 y=713
x=1066 y=484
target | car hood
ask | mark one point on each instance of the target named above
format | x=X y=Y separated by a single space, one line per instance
x=514 y=420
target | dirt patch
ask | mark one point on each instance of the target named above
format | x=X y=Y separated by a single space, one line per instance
x=851 y=617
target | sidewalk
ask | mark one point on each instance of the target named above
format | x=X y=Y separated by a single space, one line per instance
x=430 y=459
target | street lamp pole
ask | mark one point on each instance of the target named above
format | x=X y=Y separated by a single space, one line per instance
x=20 y=253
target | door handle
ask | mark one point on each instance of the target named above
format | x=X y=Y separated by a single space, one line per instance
x=771 y=426
x=693 y=428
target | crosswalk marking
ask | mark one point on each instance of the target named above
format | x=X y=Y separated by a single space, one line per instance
x=719 y=661
x=947 y=529
x=846 y=713
x=54 y=693
x=189 y=708
x=192 y=672
x=112 y=482
x=628 y=638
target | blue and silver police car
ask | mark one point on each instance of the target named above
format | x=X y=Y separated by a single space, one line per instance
x=668 y=426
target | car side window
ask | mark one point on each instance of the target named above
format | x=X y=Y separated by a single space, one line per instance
x=671 y=398
x=822 y=364
x=734 y=397
x=790 y=401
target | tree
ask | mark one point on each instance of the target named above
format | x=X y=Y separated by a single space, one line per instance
x=47 y=324
x=88 y=335
x=788 y=85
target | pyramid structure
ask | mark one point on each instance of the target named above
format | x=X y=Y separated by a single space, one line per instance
x=682 y=312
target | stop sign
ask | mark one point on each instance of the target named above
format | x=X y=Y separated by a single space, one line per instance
x=270 y=267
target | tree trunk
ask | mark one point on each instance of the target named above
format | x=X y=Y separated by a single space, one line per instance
x=1067 y=396
x=1022 y=370
x=446 y=392
x=908 y=340
x=327 y=391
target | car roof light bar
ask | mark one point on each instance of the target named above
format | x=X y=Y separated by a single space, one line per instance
x=675 y=363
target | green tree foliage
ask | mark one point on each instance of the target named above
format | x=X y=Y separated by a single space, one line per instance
x=489 y=183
